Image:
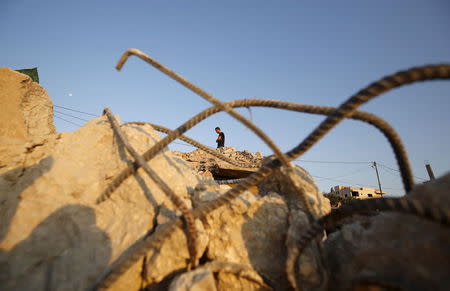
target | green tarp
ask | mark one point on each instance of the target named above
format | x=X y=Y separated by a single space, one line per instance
x=32 y=73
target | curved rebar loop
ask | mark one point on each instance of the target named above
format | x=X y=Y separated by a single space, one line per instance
x=417 y=74
x=195 y=144
x=153 y=151
x=123 y=263
x=228 y=109
x=179 y=204
x=402 y=205
x=383 y=126
x=386 y=129
x=431 y=72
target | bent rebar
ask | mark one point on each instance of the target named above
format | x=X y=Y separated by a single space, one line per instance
x=402 y=205
x=386 y=129
x=179 y=204
x=225 y=107
x=195 y=144
x=383 y=126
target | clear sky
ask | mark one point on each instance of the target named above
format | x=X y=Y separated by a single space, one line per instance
x=311 y=52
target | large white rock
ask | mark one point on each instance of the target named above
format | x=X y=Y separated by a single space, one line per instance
x=251 y=231
x=53 y=235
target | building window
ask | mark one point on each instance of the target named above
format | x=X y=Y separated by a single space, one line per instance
x=355 y=193
x=370 y=195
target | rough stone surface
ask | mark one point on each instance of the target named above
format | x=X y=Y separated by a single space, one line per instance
x=279 y=182
x=394 y=250
x=27 y=111
x=53 y=235
x=228 y=276
x=232 y=276
x=233 y=282
x=173 y=255
x=200 y=279
x=204 y=163
x=249 y=231
x=252 y=230
x=310 y=269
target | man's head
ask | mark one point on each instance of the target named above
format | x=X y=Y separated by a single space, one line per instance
x=217 y=129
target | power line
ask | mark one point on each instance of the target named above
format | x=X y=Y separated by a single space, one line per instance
x=353 y=162
x=387 y=170
x=70 y=115
x=390 y=168
x=342 y=181
x=350 y=173
x=183 y=144
x=68 y=121
x=352 y=183
x=332 y=162
x=66 y=108
x=59 y=112
x=392 y=175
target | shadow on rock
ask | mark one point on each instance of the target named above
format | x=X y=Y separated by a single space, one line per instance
x=11 y=186
x=264 y=234
x=66 y=251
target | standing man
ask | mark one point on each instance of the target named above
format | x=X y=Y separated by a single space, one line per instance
x=220 y=139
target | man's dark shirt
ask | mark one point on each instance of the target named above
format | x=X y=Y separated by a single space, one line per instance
x=221 y=142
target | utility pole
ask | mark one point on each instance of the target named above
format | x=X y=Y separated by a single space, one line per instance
x=378 y=176
x=430 y=171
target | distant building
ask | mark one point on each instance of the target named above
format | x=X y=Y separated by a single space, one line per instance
x=358 y=193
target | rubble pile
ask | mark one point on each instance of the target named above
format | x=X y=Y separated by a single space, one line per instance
x=207 y=165
x=55 y=236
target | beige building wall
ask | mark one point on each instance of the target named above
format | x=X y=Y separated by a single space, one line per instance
x=357 y=193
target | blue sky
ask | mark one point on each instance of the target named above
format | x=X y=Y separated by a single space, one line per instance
x=311 y=52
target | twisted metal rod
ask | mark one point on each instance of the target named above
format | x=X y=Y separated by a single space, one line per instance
x=402 y=205
x=195 y=144
x=417 y=74
x=383 y=126
x=189 y=218
x=229 y=181
x=153 y=151
x=123 y=263
x=225 y=107
x=387 y=130
x=431 y=72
